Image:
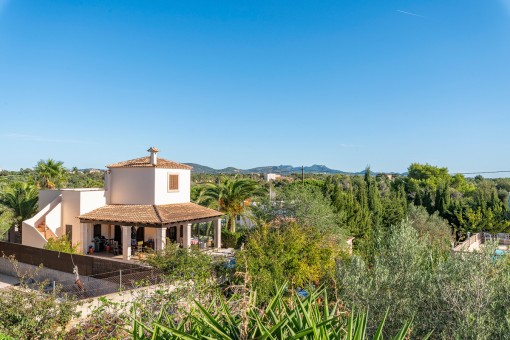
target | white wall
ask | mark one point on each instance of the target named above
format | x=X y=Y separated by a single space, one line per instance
x=147 y=186
x=71 y=209
x=163 y=196
x=78 y=202
x=149 y=234
x=105 y=230
x=271 y=177
x=132 y=186
x=90 y=200
x=54 y=219
x=31 y=236
x=46 y=197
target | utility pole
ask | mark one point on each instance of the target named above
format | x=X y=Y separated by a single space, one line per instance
x=303 y=174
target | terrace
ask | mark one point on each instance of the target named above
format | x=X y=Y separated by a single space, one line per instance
x=477 y=241
x=133 y=229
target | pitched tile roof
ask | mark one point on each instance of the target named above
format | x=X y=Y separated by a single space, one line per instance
x=149 y=214
x=145 y=162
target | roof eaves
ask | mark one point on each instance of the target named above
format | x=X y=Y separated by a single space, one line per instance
x=156 y=210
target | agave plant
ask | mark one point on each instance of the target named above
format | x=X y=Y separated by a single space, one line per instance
x=284 y=317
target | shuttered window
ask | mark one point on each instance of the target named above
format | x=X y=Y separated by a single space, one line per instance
x=173 y=182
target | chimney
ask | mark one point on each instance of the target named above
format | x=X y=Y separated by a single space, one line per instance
x=154 y=155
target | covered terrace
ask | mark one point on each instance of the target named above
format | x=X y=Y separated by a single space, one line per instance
x=130 y=227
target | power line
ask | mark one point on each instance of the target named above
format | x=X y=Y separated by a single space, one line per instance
x=482 y=172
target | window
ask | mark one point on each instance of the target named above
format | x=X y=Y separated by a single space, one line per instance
x=173 y=182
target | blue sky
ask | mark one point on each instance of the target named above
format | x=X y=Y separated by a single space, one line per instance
x=250 y=83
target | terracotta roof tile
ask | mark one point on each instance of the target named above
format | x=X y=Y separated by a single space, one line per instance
x=171 y=213
x=145 y=162
x=149 y=214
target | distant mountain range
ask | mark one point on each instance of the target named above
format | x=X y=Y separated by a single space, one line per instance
x=270 y=169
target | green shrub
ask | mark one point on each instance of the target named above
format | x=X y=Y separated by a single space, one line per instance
x=300 y=255
x=28 y=312
x=230 y=239
x=459 y=296
x=61 y=244
x=182 y=264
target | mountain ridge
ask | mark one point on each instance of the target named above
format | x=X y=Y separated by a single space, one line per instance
x=276 y=169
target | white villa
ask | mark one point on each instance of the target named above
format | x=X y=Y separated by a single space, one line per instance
x=144 y=201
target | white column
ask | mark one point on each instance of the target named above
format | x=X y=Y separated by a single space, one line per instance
x=217 y=233
x=186 y=240
x=84 y=237
x=160 y=241
x=126 y=242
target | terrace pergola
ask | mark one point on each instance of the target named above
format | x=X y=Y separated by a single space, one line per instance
x=161 y=218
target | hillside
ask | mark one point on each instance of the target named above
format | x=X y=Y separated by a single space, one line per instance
x=277 y=169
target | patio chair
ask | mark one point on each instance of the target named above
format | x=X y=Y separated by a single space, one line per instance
x=139 y=247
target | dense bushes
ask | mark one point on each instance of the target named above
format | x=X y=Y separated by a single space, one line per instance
x=28 y=312
x=182 y=264
x=295 y=253
x=233 y=239
x=463 y=296
x=61 y=244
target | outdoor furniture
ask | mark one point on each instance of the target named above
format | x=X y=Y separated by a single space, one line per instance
x=148 y=245
x=139 y=246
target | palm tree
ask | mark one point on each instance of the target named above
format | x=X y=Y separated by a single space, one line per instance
x=229 y=196
x=6 y=220
x=199 y=196
x=21 y=198
x=51 y=174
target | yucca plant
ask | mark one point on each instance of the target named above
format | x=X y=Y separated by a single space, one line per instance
x=284 y=317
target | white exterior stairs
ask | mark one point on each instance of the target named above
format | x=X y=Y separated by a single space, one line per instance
x=43 y=225
x=45 y=231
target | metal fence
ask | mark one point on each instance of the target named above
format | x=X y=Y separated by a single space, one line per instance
x=105 y=283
